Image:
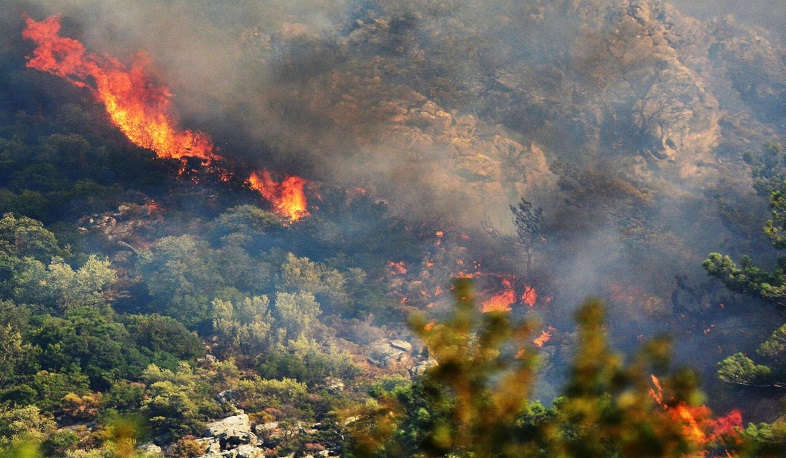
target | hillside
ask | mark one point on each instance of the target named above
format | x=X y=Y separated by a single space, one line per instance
x=218 y=221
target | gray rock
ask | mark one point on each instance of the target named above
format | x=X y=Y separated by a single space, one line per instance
x=248 y=451
x=150 y=449
x=226 y=396
x=385 y=354
x=418 y=369
x=402 y=345
x=231 y=431
x=334 y=385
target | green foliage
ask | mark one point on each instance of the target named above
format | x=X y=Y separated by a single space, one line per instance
x=474 y=401
x=306 y=360
x=608 y=407
x=766 y=439
x=775 y=228
x=177 y=402
x=251 y=222
x=24 y=423
x=163 y=334
x=326 y=284
x=286 y=395
x=775 y=344
x=124 y=396
x=25 y=237
x=60 y=287
x=470 y=399
x=88 y=339
x=182 y=277
x=296 y=315
x=243 y=326
x=59 y=443
x=16 y=356
x=768 y=168
x=741 y=370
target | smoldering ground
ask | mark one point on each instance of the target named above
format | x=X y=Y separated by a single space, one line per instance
x=434 y=107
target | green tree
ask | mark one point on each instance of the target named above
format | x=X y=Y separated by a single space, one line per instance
x=246 y=220
x=183 y=277
x=474 y=402
x=296 y=314
x=61 y=287
x=769 y=285
x=471 y=398
x=90 y=341
x=177 y=402
x=242 y=326
x=768 y=168
x=528 y=220
x=326 y=284
x=22 y=237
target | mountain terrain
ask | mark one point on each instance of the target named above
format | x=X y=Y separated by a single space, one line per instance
x=160 y=303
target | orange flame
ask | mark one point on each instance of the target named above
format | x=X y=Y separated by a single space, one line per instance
x=688 y=415
x=530 y=296
x=502 y=301
x=139 y=108
x=287 y=196
x=697 y=421
x=544 y=337
x=397 y=268
x=142 y=110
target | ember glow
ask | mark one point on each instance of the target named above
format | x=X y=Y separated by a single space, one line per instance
x=397 y=268
x=544 y=337
x=502 y=301
x=530 y=296
x=141 y=109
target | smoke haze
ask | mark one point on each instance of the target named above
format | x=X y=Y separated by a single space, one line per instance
x=454 y=110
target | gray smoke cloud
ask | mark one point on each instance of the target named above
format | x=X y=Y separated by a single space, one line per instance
x=455 y=109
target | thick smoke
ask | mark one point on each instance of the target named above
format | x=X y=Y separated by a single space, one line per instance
x=455 y=109
x=769 y=14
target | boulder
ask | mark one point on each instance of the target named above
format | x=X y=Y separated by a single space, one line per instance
x=150 y=449
x=231 y=431
x=386 y=354
x=402 y=345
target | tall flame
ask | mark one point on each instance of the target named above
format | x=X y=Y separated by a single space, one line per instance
x=141 y=109
x=287 y=197
x=697 y=422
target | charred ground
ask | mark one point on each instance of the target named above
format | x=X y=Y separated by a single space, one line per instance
x=418 y=125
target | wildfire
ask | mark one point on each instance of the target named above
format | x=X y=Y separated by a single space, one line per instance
x=141 y=109
x=530 y=296
x=502 y=301
x=696 y=420
x=397 y=268
x=287 y=197
x=544 y=337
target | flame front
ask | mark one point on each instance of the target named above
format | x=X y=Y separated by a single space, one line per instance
x=530 y=296
x=287 y=197
x=696 y=421
x=544 y=337
x=502 y=301
x=141 y=109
